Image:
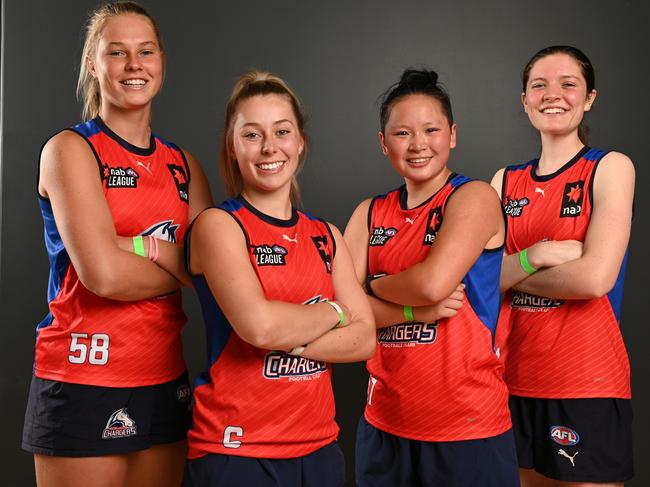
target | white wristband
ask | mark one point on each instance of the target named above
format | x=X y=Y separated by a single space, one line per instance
x=297 y=350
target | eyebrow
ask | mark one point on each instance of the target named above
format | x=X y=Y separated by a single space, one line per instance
x=564 y=76
x=255 y=124
x=120 y=43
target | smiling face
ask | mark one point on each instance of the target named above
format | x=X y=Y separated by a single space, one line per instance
x=127 y=63
x=418 y=138
x=266 y=142
x=556 y=96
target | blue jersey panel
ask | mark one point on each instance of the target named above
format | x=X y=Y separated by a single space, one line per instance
x=482 y=287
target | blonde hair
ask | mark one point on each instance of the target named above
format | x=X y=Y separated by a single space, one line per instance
x=249 y=85
x=87 y=86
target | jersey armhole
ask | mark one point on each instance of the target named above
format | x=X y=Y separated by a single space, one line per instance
x=592 y=178
x=187 y=166
x=329 y=230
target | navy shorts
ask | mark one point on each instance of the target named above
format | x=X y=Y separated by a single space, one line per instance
x=323 y=468
x=75 y=420
x=385 y=460
x=574 y=440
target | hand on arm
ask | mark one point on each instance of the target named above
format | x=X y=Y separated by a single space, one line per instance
x=69 y=178
x=595 y=272
x=219 y=251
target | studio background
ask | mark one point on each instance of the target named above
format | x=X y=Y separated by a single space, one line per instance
x=339 y=57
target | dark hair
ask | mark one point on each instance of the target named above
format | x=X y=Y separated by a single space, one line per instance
x=586 y=68
x=415 y=82
x=252 y=84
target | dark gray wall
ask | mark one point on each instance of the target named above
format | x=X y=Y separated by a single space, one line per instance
x=339 y=56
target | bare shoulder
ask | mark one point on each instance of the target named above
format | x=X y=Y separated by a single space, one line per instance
x=475 y=193
x=616 y=162
x=216 y=223
x=497 y=180
x=64 y=147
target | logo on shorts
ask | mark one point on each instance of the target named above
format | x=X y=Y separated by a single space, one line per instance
x=280 y=364
x=323 y=250
x=532 y=303
x=380 y=236
x=572 y=199
x=564 y=454
x=266 y=254
x=120 y=177
x=433 y=225
x=514 y=207
x=181 y=181
x=119 y=425
x=408 y=333
x=183 y=393
x=564 y=436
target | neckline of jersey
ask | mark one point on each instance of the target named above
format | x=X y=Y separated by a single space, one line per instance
x=277 y=222
x=403 y=195
x=547 y=177
x=140 y=151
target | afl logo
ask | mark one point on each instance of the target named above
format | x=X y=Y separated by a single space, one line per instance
x=564 y=436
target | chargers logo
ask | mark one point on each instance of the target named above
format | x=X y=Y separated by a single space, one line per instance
x=281 y=364
x=403 y=333
x=564 y=436
x=530 y=302
x=266 y=254
x=163 y=230
x=514 y=207
x=381 y=235
x=433 y=225
x=119 y=425
x=119 y=177
x=572 y=199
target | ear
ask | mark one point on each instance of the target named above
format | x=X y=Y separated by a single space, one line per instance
x=301 y=145
x=382 y=143
x=523 y=102
x=591 y=97
x=90 y=66
x=452 y=139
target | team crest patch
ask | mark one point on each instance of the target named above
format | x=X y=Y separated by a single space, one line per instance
x=572 y=199
x=564 y=436
x=434 y=220
x=183 y=393
x=278 y=365
x=181 y=181
x=514 y=207
x=532 y=303
x=381 y=235
x=119 y=425
x=266 y=254
x=165 y=230
x=120 y=177
x=323 y=250
x=408 y=334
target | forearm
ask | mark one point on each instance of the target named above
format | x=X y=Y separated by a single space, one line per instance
x=353 y=343
x=512 y=272
x=386 y=314
x=413 y=287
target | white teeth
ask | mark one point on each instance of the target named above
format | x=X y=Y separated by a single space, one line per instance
x=134 y=82
x=554 y=110
x=418 y=160
x=269 y=166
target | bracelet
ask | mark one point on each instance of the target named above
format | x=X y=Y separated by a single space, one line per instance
x=525 y=265
x=153 y=248
x=369 y=279
x=138 y=246
x=297 y=350
x=408 y=313
x=338 y=309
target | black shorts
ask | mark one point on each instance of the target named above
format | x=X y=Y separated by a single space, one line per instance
x=323 y=468
x=385 y=460
x=75 y=420
x=574 y=440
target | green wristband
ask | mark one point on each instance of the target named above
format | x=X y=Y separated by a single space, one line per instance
x=525 y=265
x=138 y=246
x=338 y=309
x=408 y=313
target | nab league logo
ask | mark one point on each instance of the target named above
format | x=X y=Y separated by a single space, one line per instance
x=266 y=254
x=119 y=425
x=572 y=199
x=514 y=207
x=434 y=221
x=119 y=177
x=564 y=436
x=381 y=235
x=530 y=302
x=181 y=181
x=323 y=250
x=163 y=230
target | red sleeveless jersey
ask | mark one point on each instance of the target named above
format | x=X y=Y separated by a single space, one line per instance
x=436 y=381
x=263 y=403
x=557 y=348
x=87 y=339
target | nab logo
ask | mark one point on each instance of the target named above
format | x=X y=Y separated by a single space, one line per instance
x=564 y=436
x=381 y=235
x=572 y=199
x=181 y=181
x=434 y=221
x=323 y=250
x=120 y=177
x=266 y=254
x=514 y=207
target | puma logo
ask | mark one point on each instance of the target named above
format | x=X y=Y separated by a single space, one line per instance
x=564 y=454
x=408 y=220
x=541 y=190
x=138 y=163
x=294 y=239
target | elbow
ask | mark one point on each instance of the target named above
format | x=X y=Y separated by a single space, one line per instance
x=433 y=292
x=598 y=285
x=100 y=281
x=262 y=336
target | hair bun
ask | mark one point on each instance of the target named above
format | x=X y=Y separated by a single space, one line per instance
x=419 y=77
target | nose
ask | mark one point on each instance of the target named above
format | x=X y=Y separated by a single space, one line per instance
x=133 y=62
x=552 y=92
x=418 y=142
x=268 y=146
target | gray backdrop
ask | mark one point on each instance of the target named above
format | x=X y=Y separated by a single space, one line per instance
x=339 y=56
